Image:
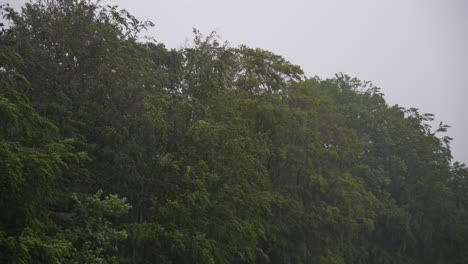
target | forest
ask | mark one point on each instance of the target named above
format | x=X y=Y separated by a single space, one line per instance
x=116 y=149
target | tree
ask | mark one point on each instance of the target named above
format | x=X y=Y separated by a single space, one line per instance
x=225 y=154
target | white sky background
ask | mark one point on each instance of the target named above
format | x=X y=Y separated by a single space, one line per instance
x=415 y=50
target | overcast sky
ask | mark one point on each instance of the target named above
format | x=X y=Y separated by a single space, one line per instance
x=415 y=50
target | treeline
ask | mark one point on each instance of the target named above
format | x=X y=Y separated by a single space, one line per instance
x=115 y=150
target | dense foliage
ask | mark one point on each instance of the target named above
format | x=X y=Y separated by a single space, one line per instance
x=114 y=150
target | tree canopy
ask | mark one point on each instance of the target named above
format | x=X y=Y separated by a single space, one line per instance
x=118 y=150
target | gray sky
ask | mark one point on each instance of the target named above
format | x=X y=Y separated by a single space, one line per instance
x=415 y=50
